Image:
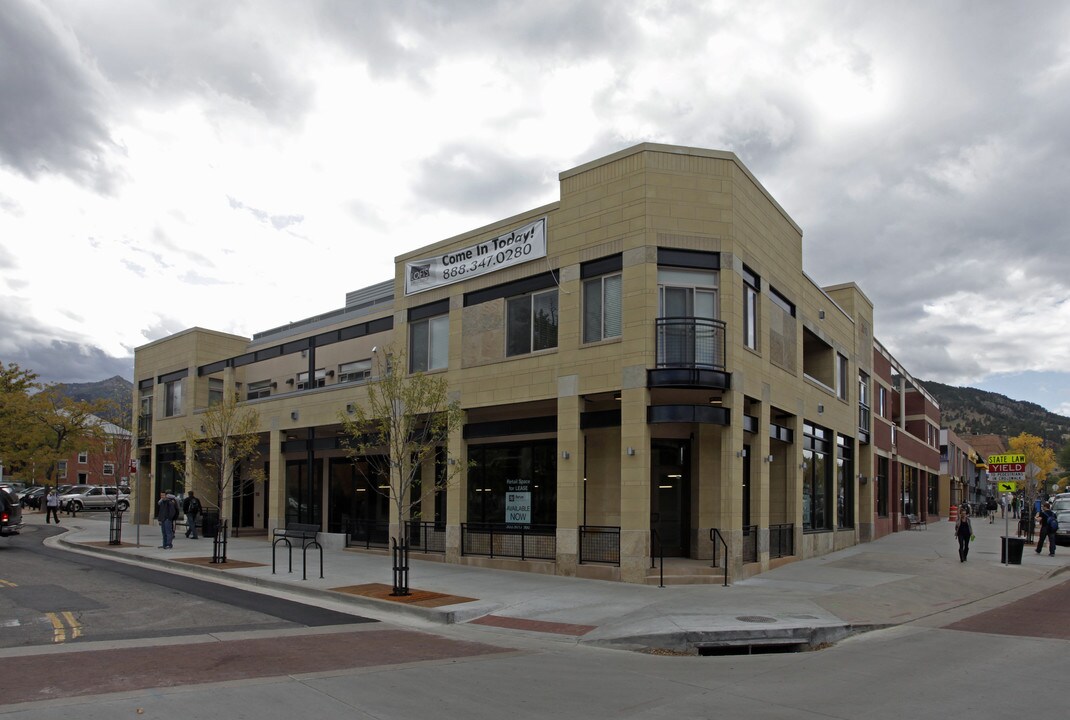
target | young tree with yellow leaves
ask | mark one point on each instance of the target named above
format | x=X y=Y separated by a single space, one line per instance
x=227 y=441
x=1039 y=462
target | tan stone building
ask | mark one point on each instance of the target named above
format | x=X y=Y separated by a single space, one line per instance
x=644 y=369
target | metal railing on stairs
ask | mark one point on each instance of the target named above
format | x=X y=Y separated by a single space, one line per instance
x=715 y=536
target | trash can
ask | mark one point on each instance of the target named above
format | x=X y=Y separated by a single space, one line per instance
x=210 y=523
x=1011 y=550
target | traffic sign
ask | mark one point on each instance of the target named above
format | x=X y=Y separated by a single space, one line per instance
x=1007 y=458
x=1007 y=487
x=1000 y=468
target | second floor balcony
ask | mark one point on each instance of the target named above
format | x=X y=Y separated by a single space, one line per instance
x=690 y=343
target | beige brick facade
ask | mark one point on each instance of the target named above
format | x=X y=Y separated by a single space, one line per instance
x=651 y=428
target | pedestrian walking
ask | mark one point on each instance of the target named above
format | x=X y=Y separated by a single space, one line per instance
x=191 y=508
x=52 y=506
x=991 y=505
x=1048 y=525
x=166 y=513
x=964 y=534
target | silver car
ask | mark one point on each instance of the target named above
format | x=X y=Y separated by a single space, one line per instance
x=95 y=497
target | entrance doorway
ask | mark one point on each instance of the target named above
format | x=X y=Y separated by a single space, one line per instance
x=670 y=495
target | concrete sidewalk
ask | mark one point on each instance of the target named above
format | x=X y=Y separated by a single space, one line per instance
x=900 y=578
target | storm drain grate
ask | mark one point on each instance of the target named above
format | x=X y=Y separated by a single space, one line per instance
x=764 y=648
x=756 y=619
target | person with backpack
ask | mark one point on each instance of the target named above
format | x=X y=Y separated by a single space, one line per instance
x=191 y=508
x=166 y=513
x=1048 y=525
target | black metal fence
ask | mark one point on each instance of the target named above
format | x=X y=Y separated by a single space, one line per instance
x=781 y=540
x=600 y=544
x=531 y=542
x=368 y=534
x=426 y=537
x=750 y=543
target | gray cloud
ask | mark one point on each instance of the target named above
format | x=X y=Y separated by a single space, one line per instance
x=279 y=222
x=475 y=178
x=52 y=115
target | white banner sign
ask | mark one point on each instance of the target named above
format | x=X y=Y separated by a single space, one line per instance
x=527 y=242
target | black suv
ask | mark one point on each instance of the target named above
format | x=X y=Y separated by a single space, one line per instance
x=10 y=514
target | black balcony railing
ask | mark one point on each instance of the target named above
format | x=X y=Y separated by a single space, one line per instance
x=687 y=342
x=530 y=542
x=600 y=544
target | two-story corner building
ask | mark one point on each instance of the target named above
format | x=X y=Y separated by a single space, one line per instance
x=959 y=471
x=644 y=369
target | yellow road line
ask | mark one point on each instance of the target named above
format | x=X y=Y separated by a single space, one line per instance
x=59 y=632
x=76 y=628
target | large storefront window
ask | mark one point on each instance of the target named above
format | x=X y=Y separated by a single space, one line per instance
x=817 y=478
x=845 y=482
x=513 y=469
x=882 y=487
x=934 y=505
x=303 y=497
x=908 y=488
x=167 y=476
x=353 y=497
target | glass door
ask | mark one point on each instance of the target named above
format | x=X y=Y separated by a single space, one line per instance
x=670 y=496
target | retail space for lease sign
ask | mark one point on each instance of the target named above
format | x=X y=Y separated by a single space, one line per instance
x=527 y=242
x=518 y=503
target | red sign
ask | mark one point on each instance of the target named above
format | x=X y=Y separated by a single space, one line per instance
x=1006 y=468
x=133 y=467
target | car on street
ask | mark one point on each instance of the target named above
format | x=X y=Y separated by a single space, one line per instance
x=10 y=514
x=94 y=497
x=1060 y=503
x=1062 y=535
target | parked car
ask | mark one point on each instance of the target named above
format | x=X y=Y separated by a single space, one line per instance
x=1062 y=535
x=1060 y=503
x=95 y=497
x=32 y=497
x=10 y=514
x=74 y=491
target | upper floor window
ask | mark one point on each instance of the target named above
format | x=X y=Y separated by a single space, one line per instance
x=356 y=371
x=531 y=322
x=215 y=391
x=687 y=293
x=882 y=401
x=319 y=381
x=751 y=288
x=61 y=469
x=601 y=308
x=841 y=376
x=83 y=457
x=258 y=389
x=429 y=343
x=863 y=401
x=172 y=392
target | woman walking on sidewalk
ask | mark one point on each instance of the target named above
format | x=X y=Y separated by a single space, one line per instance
x=964 y=533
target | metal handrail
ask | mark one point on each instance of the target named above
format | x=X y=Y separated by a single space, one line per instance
x=715 y=535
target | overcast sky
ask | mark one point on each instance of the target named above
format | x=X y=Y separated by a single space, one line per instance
x=238 y=165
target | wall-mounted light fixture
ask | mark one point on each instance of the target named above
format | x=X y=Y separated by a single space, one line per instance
x=820 y=408
x=769 y=458
x=821 y=314
x=330 y=373
x=274 y=385
x=717 y=400
x=564 y=455
x=862 y=480
x=289 y=381
x=293 y=415
x=304 y=353
x=802 y=466
x=453 y=461
x=204 y=429
x=351 y=408
x=631 y=451
x=739 y=453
